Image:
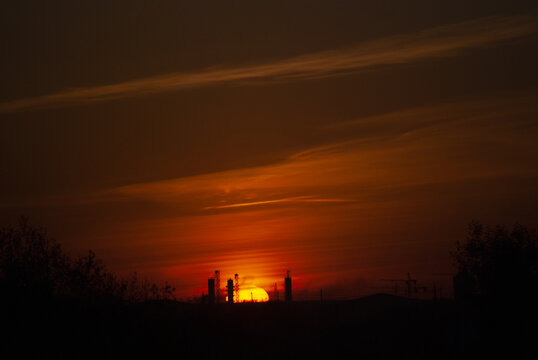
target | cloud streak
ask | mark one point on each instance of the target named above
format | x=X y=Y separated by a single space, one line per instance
x=449 y=40
x=407 y=149
x=276 y=201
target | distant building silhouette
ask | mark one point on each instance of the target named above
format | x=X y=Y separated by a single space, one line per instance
x=287 y=287
x=211 y=290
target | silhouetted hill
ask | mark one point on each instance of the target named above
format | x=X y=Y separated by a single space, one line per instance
x=377 y=327
x=382 y=301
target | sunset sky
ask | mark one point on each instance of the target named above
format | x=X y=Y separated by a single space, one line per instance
x=347 y=141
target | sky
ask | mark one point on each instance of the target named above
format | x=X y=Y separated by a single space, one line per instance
x=346 y=141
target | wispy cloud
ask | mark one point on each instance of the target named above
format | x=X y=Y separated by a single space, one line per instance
x=441 y=41
x=294 y=199
x=410 y=148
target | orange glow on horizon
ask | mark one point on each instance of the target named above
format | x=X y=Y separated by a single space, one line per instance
x=322 y=212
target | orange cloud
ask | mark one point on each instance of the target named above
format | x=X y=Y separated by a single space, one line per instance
x=414 y=147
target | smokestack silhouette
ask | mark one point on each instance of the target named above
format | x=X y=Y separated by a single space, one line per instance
x=287 y=287
x=230 y=291
x=211 y=290
x=217 y=285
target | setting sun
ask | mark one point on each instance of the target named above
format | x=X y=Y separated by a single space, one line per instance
x=254 y=294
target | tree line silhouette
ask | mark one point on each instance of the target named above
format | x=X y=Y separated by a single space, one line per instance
x=33 y=263
x=498 y=263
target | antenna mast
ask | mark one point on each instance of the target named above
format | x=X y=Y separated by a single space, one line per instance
x=236 y=276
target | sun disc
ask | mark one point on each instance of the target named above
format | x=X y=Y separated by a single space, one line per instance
x=254 y=294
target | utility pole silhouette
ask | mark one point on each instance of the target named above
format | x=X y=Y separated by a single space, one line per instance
x=411 y=284
x=447 y=275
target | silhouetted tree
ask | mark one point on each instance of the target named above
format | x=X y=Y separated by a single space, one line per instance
x=501 y=262
x=32 y=262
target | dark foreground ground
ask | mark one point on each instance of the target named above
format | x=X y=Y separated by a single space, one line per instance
x=375 y=327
